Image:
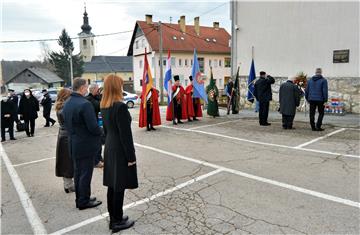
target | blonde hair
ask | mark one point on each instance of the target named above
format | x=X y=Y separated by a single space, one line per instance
x=113 y=91
x=62 y=96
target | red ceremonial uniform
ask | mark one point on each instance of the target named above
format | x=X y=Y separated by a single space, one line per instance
x=191 y=107
x=154 y=103
x=180 y=97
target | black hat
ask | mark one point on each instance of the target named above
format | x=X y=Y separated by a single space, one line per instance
x=44 y=91
x=176 y=78
x=262 y=73
x=190 y=77
x=10 y=90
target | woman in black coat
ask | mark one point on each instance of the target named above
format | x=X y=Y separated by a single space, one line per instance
x=119 y=156
x=64 y=165
x=28 y=108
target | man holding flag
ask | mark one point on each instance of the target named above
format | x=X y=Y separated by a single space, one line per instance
x=149 y=108
x=193 y=104
x=177 y=107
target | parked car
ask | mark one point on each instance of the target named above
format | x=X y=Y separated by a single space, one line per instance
x=53 y=94
x=130 y=99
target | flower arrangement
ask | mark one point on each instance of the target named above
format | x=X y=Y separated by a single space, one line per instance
x=301 y=80
x=211 y=95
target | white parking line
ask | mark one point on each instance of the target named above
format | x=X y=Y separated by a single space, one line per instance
x=264 y=143
x=137 y=203
x=258 y=178
x=216 y=124
x=27 y=163
x=31 y=214
x=320 y=138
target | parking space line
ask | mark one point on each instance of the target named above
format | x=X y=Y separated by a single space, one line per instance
x=36 y=161
x=137 y=203
x=257 y=178
x=31 y=214
x=320 y=138
x=216 y=124
x=263 y=143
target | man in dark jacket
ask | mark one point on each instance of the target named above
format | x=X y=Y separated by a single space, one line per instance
x=263 y=94
x=289 y=99
x=47 y=103
x=84 y=142
x=8 y=112
x=15 y=99
x=94 y=98
x=316 y=93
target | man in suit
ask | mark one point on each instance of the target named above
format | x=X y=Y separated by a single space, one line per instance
x=289 y=98
x=46 y=102
x=84 y=142
x=263 y=94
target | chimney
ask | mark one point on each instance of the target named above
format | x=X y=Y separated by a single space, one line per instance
x=148 y=19
x=216 y=25
x=197 y=25
x=182 y=24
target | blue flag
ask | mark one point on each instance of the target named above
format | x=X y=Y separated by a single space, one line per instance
x=252 y=77
x=198 y=83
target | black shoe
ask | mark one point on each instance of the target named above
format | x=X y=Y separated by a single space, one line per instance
x=90 y=204
x=265 y=124
x=148 y=129
x=180 y=122
x=47 y=126
x=152 y=128
x=28 y=135
x=313 y=129
x=32 y=135
x=12 y=138
x=195 y=119
x=189 y=120
x=268 y=124
x=124 y=218
x=69 y=190
x=116 y=227
x=53 y=123
x=285 y=127
x=3 y=140
x=174 y=123
x=320 y=129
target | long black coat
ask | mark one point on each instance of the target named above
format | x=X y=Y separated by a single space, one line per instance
x=29 y=107
x=289 y=98
x=119 y=148
x=46 y=103
x=262 y=91
x=81 y=125
x=95 y=101
x=64 y=165
x=7 y=107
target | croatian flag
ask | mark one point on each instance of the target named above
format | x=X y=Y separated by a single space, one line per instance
x=147 y=80
x=198 y=83
x=168 y=77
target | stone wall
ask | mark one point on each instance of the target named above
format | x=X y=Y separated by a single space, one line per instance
x=347 y=89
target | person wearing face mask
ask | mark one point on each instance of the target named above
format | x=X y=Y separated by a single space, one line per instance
x=84 y=137
x=28 y=108
x=8 y=112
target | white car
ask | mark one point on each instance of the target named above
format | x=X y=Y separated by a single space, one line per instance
x=130 y=99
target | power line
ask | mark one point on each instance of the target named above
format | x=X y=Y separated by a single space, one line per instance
x=212 y=9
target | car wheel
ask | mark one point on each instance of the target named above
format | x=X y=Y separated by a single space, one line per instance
x=130 y=104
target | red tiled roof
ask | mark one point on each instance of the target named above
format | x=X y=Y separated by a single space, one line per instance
x=191 y=39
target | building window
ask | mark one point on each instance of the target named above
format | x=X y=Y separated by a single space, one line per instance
x=220 y=63
x=186 y=62
x=215 y=63
x=92 y=42
x=186 y=82
x=140 y=64
x=201 y=64
x=221 y=82
x=143 y=43
x=173 y=60
x=137 y=45
x=227 y=62
x=84 y=42
x=191 y=62
x=180 y=62
x=140 y=82
x=209 y=63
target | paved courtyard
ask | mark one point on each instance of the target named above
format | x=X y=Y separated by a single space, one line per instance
x=218 y=176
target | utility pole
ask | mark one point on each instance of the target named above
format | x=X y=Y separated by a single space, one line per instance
x=161 y=64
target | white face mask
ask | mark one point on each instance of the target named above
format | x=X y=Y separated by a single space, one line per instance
x=27 y=94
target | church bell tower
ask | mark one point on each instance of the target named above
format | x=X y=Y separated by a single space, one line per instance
x=86 y=40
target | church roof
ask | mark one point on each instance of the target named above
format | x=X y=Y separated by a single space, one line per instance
x=109 y=64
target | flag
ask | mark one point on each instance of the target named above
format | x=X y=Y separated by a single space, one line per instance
x=168 y=76
x=147 y=80
x=236 y=104
x=251 y=79
x=198 y=84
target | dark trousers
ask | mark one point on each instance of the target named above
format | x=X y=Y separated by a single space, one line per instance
x=48 y=119
x=320 y=107
x=263 y=112
x=83 y=171
x=177 y=110
x=115 y=201
x=98 y=156
x=287 y=121
x=11 y=131
x=30 y=123
x=195 y=107
x=149 y=113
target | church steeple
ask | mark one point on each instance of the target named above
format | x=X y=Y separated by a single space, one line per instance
x=86 y=28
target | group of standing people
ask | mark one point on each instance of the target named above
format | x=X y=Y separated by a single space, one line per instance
x=80 y=143
x=316 y=93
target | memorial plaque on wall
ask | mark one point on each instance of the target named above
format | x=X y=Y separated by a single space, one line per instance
x=341 y=56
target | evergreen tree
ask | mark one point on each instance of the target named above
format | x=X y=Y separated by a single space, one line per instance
x=61 y=60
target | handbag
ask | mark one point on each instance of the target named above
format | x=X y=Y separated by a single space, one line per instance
x=20 y=126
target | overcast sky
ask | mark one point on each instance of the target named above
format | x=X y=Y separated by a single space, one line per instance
x=42 y=19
